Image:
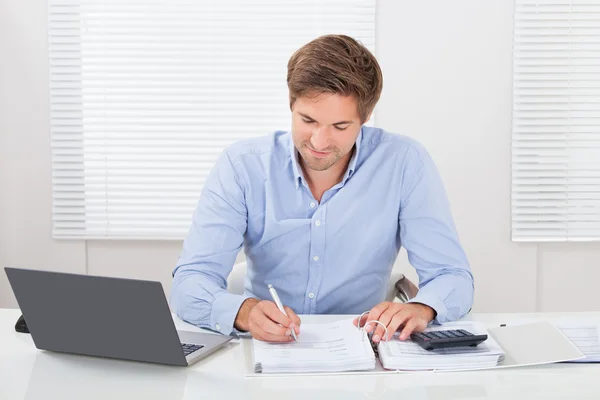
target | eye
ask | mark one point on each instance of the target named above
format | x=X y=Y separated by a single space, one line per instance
x=308 y=121
x=340 y=129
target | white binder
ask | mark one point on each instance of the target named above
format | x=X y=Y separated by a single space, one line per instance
x=523 y=345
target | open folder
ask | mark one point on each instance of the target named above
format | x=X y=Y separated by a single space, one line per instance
x=339 y=346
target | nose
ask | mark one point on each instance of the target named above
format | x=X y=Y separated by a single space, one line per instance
x=319 y=139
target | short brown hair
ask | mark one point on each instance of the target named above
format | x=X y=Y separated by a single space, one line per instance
x=336 y=64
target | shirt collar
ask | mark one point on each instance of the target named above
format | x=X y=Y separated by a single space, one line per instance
x=298 y=177
x=295 y=164
x=352 y=163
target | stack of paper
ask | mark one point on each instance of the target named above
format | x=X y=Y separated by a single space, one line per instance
x=334 y=347
x=407 y=355
x=584 y=335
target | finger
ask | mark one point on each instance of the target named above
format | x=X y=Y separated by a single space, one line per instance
x=363 y=320
x=270 y=310
x=295 y=320
x=421 y=326
x=255 y=334
x=268 y=331
x=409 y=327
x=375 y=313
x=259 y=334
x=272 y=328
x=263 y=328
x=385 y=319
x=267 y=326
x=397 y=321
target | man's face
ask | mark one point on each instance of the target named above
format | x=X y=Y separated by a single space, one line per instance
x=324 y=128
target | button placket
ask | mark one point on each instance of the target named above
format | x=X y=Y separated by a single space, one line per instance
x=317 y=252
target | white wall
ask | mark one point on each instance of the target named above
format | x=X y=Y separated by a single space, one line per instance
x=447 y=83
x=25 y=173
x=447 y=68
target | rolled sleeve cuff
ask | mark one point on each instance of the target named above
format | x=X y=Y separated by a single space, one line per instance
x=438 y=306
x=224 y=310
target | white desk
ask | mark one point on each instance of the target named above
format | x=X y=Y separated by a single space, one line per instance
x=28 y=373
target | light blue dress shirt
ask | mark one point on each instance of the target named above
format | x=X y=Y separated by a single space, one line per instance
x=328 y=257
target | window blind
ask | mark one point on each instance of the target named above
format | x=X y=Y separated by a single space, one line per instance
x=556 y=121
x=145 y=94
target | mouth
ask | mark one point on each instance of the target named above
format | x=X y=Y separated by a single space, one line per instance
x=318 y=154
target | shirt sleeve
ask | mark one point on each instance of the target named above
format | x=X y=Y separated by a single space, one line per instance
x=199 y=294
x=428 y=234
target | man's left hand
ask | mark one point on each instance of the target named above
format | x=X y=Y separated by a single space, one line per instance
x=414 y=317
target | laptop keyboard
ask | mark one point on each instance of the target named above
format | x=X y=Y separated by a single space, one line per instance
x=190 y=348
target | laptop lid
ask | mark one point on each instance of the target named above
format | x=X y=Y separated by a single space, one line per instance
x=99 y=316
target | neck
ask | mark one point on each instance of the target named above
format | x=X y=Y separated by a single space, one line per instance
x=321 y=181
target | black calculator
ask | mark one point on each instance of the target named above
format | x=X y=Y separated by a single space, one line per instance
x=447 y=338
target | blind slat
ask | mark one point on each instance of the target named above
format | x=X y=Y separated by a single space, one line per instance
x=145 y=94
x=556 y=121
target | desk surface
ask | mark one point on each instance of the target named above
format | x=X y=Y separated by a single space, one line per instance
x=28 y=373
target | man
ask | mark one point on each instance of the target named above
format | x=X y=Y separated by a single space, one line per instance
x=322 y=212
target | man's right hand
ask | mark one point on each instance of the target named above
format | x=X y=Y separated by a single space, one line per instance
x=265 y=322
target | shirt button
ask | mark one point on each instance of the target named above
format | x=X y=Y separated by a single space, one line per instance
x=318 y=223
x=311 y=295
x=312 y=204
x=218 y=327
x=316 y=258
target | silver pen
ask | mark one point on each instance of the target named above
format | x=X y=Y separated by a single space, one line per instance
x=280 y=306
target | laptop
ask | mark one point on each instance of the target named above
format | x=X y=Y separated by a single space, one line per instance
x=120 y=318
